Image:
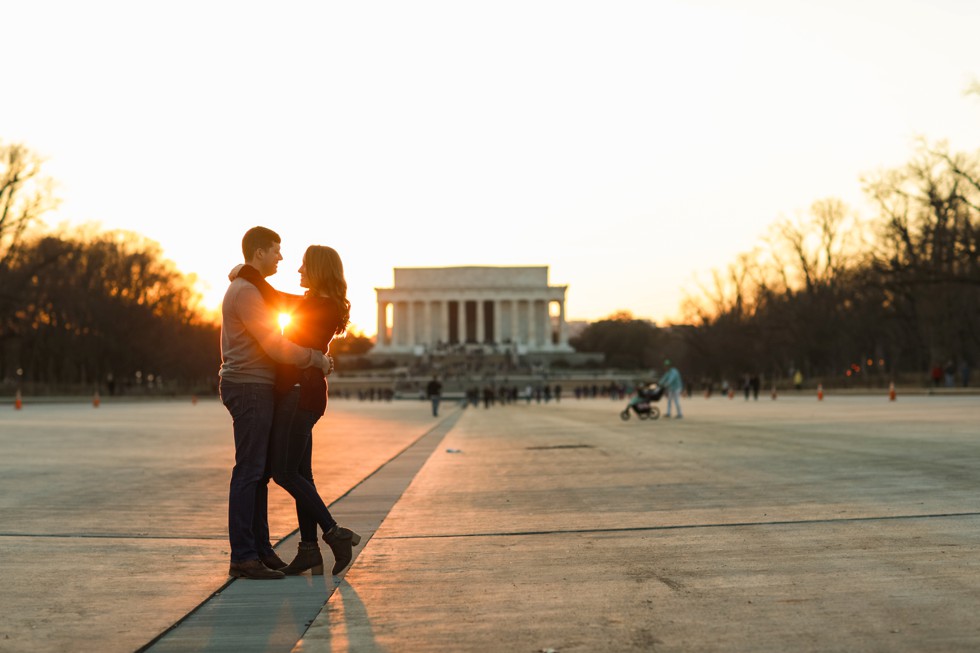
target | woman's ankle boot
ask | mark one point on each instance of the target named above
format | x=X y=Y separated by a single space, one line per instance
x=341 y=541
x=307 y=557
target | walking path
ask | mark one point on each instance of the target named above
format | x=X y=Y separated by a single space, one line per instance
x=235 y=621
x=848 y=524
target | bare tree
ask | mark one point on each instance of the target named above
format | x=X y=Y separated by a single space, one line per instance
x=820 y=245
x=927 y=252
x=25 y=194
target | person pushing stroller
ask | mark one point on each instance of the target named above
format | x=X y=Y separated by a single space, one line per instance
x=672 y=383
x=642 y=402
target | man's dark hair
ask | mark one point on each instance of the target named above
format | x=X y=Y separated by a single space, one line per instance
x=258 y=238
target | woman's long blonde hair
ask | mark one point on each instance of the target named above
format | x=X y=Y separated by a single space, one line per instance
x=325 y=274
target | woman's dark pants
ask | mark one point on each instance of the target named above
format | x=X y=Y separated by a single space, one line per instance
x=291 y=459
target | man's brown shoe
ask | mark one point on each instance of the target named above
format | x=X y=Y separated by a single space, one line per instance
x=272 y=561
x=253 y=569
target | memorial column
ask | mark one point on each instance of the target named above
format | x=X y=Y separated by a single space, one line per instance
x=445 y=319
x=396 y=325
x=382 y=338
x=497 y=321
x=480 y=322
x=549 y=338
x=461 y=320
x=562 y=334
x=544 y=323
x=514 y=332
x=532 y=328
x=442 y=333
x=410 y=318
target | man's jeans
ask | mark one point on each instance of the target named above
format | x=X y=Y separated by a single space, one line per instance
x=252 y=406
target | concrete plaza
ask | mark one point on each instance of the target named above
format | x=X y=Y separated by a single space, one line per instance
x=850 y=524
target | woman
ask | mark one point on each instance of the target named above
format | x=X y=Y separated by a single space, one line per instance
x=301 y=399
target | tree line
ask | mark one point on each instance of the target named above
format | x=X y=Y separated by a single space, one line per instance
x=93 y=309
x=102 y=310
x=842 y=299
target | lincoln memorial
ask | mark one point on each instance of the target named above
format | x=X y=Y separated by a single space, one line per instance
x=510 y=308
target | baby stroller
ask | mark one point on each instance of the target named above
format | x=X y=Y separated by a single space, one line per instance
x=642 y=403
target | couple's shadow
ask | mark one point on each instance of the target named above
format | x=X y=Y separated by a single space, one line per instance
x=271 y=617
x=343 y=625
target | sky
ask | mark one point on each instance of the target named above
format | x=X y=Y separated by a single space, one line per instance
x=632 y=147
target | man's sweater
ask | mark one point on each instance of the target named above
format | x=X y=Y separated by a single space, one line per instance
x=251 y=342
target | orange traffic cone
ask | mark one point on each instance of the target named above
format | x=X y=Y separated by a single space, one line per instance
x=194 y=399
x=774 y=391
x=891 y=392
x=820 y=392
x=731 y=393
x=18 y=402
x=96 y=400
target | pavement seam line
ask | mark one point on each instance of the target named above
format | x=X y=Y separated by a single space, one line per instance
x=118 y=536
x=636 y=529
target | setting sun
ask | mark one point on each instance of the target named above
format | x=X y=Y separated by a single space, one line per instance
x=284 y=320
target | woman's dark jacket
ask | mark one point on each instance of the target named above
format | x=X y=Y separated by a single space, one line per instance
x=314 y=323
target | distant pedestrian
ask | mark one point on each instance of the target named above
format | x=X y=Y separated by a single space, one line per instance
x=671 y=381
x=950 y=373
x=937 y=375
x=755 y=384
x=798 y=380
x=434 y=392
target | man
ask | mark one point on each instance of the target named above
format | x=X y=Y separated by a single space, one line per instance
x=672 y=383
x=434 y=391
x=251 y=344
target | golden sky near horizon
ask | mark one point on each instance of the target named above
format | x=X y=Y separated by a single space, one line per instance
x=630 y=146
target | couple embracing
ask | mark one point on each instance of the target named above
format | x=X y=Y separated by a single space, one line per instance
x=273 y=384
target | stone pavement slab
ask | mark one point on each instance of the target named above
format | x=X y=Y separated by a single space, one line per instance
x=113 y=521
x=850 y=524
